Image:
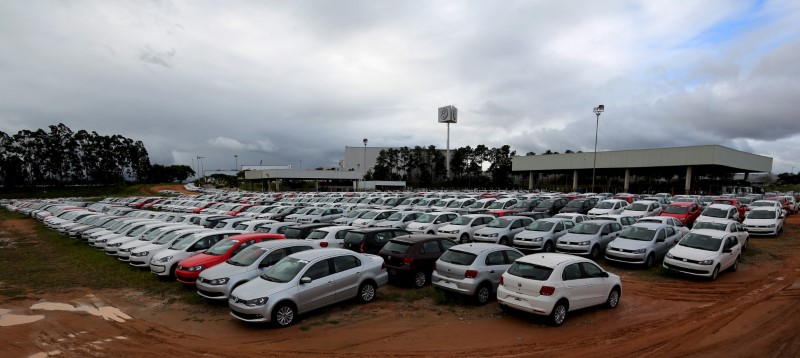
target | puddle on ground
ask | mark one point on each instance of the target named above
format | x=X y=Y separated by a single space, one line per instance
x=45 y=354
x=107 y=312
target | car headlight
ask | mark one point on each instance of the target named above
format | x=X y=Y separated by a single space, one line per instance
x=707 y=262
x=669 y=255
x=256 y=302
x=164 y=259
x=771 y=225
x=115 y=245
x=423 y=227
x=640 y=251
x=537 y=239
x=219 y=281
x=195 y=268
x=143 y=253
x=584 y=243
x=493 y=235
x=101 y=241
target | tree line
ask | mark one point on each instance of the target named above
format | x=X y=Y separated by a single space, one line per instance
x=426 y=166
x=63 y=157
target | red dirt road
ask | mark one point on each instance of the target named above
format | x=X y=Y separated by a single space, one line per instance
x=753 y=312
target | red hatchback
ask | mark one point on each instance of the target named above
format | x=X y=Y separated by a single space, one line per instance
x=188 y=270
x=686 y=212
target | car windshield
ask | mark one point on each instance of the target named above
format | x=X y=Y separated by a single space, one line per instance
x=545 y=204
x=183 y=243
x=407 y=202
x=354 y=214
x=456 y=257
x=285 y=270
x=585 y=228
x=391 y=201
x=247 y=256
x=397 y=247
x=138 y=231
x=167 y=237
x=638 y=233
x=221 y=247
x=395 y=217
x=369 y=215
x=317 y=211
x=497 y=205
x=455 y=204
x=638 y=207
x=287 y=209
x=522 y=204
x=462 y=220
x=707 y=199
x=241 y=226
x=702 y=242
x=427 y=218
x=575 y=204
x=715 y=213
x=711 y=225
x=530 y=271
x=499 y=223
x=354 y=237
x=745 y=200
x=761 y=214
x=477 y=205
x=317 y=235
x=540 y=226
x=763 y=203
x=676 y=209
x=152 y=235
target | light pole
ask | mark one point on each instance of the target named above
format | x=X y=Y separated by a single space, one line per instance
x=365 y=155
x=597 y=110
x=237 y=163
x=200 y=162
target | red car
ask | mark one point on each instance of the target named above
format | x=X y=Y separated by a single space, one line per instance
x=686 y=212
x=188 y=270
x=202 y=207
x=630 y=198
x=787 y=205
x=732 y=201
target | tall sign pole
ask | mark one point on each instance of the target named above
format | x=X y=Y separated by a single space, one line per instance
x=448 y=114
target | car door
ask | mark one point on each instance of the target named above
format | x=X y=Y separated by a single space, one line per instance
x=730 y=251
x=597 y=284
x=427 y=256
x=576 y=286
x=559 y=229
x=320 y=291
x=347 y=276
x=663 y=242
x=606 y=235
x=496 y=265
x=271 y=259
x=741 y=232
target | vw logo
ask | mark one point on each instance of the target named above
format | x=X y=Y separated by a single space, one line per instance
x=519 y=284
x=684 y=260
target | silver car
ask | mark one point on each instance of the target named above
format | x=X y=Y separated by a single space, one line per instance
x=462 y=228
x=502 y=230
x=589 y=238
x=473 y=269
x=400 y=219
x=542 y=234
x=216 y=283
x=306 y=281
x=643 y=244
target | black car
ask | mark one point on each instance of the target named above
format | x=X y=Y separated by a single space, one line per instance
x=411 y=258
x=580 y=206
x=300 y=232
x=371 y=240
x=551 y=206
x=534 y=215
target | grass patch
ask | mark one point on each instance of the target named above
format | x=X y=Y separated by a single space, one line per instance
x=88 y=193
x=403 y=294
x=46 y=261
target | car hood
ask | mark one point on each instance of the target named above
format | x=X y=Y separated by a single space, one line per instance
x=759 y=221
x=600 y=211
x=491 y=230
x=568 y=209
x=451 y=227
x=203 y=259
x=530 y=234
x=149 y=247
x=577 y=237
x=261 y=288
x=692 y=253
x=226 y=270
x=135 y=243
x=629 y=244
x=709 y=219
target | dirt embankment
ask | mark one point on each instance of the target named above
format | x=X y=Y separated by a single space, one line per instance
x=753 y=312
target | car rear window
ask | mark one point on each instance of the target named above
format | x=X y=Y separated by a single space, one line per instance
x=530 y=271
x=397 y=247
x=456 y=257
x=293 y=233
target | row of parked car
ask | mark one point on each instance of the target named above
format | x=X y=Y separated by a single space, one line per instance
x=226 y=257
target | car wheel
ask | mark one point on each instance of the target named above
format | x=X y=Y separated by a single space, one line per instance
x=420 y=279
x=595 y=253
x=464 y=239
x=746 y=243
x=503 y=241
x=735 y=266
x=649 y=261
x=366 y=292
x=549 y=247
x=431 y=233
x=559 y=313
x=283 y=315
x=613 y=298
x=482 y=294
x=715 y=273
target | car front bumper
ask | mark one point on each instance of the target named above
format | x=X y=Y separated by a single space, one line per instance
x=688 y=267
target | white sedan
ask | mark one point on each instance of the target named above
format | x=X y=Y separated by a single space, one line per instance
x=551 y=284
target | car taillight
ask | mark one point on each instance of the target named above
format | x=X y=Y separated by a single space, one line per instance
x=408 y=261
x=501 y=280
x=547 y=290
x=473 y=274
x=323 y=244
x=383 y=265
x=361 y=248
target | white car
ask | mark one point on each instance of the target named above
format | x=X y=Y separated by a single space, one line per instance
x=252 y=225
x=217 y=282
x=373 y=218
x=666 y=220
x=764 y=221
x=275 y=227
x=574 y=217
x=320 y=215
x=463 y=228
x=542 y=234
x=733 y=227
x=430 y=222
x=329 y=236
x=502 y=230
x=609 y=206
x=718 y=212
x=705 y=253
x=124 y=251
x=140 y=256
x=641 y=208
x=623 y=220
x=350 y=217
x=589 y=238
x=551 y=284
x=400 y=219
x=165 y=262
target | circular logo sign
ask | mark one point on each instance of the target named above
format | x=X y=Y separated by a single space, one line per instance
x=443 y=113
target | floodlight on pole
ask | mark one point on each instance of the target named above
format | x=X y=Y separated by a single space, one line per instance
x=597 y=110
x=236 y=168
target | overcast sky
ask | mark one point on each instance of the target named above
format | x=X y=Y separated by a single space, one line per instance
x=290 y=81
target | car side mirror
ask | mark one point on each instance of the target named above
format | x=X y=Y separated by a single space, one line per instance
x=305 y=280
x=264 y=264
x=726 y=251
x=661 y=239
x=604 y=274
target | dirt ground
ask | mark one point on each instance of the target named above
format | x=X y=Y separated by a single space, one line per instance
x=753 y=313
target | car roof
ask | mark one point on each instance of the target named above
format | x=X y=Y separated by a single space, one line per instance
x=720 y=206
x=550 y=259
x=276 y=244
x=649 y=225
x=415 y=238
x=478 y=247
x=683 y=203
x=478 y=215
x=257 y=235
x=708 y=232
x=310 y=255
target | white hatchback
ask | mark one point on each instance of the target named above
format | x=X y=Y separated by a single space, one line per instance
x=551 y=284
x=705 y=253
